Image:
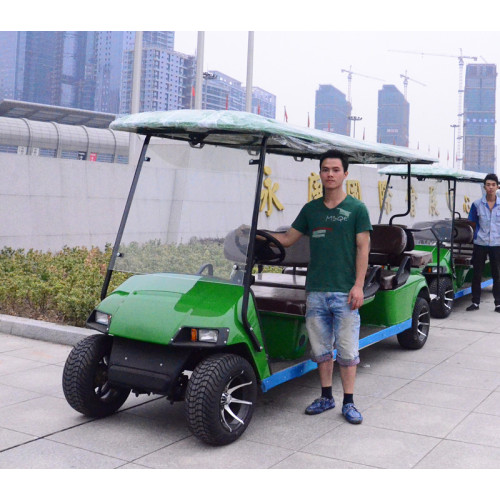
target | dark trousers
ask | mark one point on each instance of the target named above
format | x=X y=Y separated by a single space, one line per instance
x=478 y=260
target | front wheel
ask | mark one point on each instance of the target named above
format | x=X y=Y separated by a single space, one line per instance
x=442 y=306
x=220 y=398
x=85 y=378
x=416 y=336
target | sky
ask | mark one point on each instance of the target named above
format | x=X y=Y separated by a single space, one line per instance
x=292 y=65
x=298 y=46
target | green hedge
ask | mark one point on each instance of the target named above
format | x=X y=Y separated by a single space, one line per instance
x=61 y=287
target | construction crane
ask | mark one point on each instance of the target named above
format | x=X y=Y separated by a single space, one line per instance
x=349 y=81
x=461 y=58
x=405 y=82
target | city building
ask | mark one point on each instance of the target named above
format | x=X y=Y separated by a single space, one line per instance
x=166 y=79
x=221 y=91
x=50 y=67
x=332 y=110
x=167 y=75
x=8 y=50
x=393 y=117
x=93 y=70
x=263 y=102
x=479 y=118
x=106 y=48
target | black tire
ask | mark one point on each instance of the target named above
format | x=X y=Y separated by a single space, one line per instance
x=416 y=336
x=85 y=378
x=443 y=305
x=217 y=387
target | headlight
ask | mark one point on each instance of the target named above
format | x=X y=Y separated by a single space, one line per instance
x=204 y=335
x=102 y=318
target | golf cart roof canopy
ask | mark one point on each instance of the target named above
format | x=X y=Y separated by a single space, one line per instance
x=238 y=129
x=429 y=172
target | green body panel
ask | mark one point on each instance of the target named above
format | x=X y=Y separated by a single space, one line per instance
x=444 y=255
x=391 y=307
x=286 y=335
x=463 y=274
x=153 y=308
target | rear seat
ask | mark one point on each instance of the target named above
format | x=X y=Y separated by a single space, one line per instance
x=418 y=258
x=463 y=242
x=388 y=244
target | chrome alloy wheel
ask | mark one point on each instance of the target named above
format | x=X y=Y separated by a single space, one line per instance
x=233 y=405
x=424 y=321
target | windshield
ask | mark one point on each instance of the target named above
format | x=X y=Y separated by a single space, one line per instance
x=187 y=206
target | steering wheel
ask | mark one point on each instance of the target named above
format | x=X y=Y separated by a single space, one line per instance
x=264 y=253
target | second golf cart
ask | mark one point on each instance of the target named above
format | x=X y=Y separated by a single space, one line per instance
x=448 y=242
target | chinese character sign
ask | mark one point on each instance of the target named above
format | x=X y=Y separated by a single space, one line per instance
x=314 y=187
x=268 y=196
x=466 y=205
x=433 y=201
x=413 y=198
x=354 y=189
x=382 y=186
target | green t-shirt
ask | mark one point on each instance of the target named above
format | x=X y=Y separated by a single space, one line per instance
x=332 y=236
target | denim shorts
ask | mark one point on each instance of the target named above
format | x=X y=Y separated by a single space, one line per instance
x=331 y=323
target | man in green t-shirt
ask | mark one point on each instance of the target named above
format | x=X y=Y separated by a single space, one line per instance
x=338 y=227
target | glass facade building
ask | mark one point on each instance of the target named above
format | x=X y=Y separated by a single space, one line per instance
x=166 y=77
x=92 y=70
x=8 y=49
x=479 y=117
x=263 y=102
x=393 y=117
x=332 y=111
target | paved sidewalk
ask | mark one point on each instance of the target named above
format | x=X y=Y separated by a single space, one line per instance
x=438 y=407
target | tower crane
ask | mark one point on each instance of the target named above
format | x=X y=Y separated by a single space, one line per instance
x=349 y=81
x=460 y=58
x=405 y=82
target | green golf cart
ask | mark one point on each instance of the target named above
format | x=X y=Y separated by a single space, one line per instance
x=448 y=242
x=209 y=313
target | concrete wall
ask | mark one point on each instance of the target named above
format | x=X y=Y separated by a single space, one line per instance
x=47 y=203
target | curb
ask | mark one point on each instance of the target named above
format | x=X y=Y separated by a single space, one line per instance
x=42 y=330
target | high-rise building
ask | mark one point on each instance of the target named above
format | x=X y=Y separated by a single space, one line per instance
x=221 y=91
x=50 y=67
x=332 y=110
x=263 y=102
x=8 y=49
x=166 y=77
x=107 y=58
x=479 y=117
x=393 y=117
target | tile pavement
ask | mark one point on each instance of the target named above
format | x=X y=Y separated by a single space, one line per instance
x=436 y=408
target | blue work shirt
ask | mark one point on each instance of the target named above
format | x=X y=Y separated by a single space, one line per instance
x=487 y=231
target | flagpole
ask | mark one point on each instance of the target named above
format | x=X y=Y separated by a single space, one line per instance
x=198 y=88
x=249 y=72
x=135 y=104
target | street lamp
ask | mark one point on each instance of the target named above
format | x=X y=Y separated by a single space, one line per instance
x=354 y=119
x=207 y=76
x=454 y=127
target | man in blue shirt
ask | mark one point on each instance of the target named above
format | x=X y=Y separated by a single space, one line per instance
x=485 y=213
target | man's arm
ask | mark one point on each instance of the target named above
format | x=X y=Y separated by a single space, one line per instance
x=356 y=296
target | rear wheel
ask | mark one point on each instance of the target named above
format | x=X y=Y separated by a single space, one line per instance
x=85 y=378
x=416 y=336
x=220 y=398
x=442 y=306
